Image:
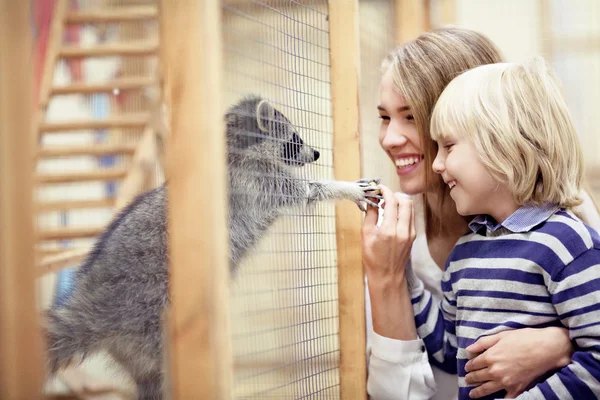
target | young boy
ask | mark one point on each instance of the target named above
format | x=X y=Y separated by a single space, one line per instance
x=510 y=155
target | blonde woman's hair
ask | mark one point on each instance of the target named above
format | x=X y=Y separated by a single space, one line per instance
x=517 y=118
x=421 y=70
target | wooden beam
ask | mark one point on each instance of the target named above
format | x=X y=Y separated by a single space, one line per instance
x=345 y=62
x=412 y=19
x=54 y=42
x=129 y=83
x=117 y=14
x=100 y=174
x=21 y=346
x=199 y=340
x=90 y=150
x=132 y=121
x=69 y=205
x=65 y=259
x=140 y=171
x=67 y=233
x=109 y=50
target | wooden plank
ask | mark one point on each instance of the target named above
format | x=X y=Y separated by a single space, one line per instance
x=412 y=19
x=117 y=14
x=104 y=174
x=55 y=206
x=109 y=50
x=199 y=339
x=140 y=173
x=21 y=346
x=65 y=259
x=91 y=150
x=69 y=233
x=54 y=43
x=138 y=120
x=129 y=83
x=345 y=62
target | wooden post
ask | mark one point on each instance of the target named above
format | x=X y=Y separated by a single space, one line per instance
x=412 y=19
x=22 y=361
x=345 y=62
x=199 y=338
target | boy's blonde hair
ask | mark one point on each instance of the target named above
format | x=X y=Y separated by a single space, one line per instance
x=517 y=118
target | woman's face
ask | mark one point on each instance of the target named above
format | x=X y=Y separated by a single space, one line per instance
x=400 y=139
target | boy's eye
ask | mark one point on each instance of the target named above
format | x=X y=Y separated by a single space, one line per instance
x=448 y=146
x=410 y=118
x=384 y=117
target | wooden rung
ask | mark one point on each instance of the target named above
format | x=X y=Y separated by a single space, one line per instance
x=121 y=14
x=122 y=121
x=91 y=150
x=105 y=174
x=74 y=205
x=69 y=233
x=107 y=87
x=115 y=49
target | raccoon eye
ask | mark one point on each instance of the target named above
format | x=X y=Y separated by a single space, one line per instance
x=292 y=148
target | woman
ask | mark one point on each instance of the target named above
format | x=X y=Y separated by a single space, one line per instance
x=415 y=74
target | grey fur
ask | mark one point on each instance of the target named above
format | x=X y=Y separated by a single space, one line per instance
x=121 y=290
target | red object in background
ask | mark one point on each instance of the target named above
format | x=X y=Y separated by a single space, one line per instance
x=43 y=11
x=42 y=19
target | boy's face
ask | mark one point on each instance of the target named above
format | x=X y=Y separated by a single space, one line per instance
x=472 y=187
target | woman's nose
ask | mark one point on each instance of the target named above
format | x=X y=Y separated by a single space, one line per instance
x=391 y=138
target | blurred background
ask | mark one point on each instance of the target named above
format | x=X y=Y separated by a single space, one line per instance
x=96 y=68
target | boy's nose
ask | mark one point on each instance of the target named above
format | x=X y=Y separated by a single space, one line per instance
x=438 y=165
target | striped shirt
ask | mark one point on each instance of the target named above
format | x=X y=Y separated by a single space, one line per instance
x=539 y=268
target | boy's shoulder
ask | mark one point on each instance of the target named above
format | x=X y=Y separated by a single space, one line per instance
x=551 y=244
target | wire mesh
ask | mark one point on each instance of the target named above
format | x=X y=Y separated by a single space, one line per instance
x=284 y=303
x=377 y=27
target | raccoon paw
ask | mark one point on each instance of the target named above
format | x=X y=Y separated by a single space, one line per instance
x=370 y=191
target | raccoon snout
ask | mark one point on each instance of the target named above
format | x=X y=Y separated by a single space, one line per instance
x=316 y=155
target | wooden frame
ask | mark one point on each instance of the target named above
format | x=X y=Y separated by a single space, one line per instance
x=198 y=332
x=345 y=69
x=22 y=361
x=412 y=19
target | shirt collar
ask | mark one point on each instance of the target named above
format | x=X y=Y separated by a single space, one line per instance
x=522 y=220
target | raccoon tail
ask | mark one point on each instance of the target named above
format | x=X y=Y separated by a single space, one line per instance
x=66 y=338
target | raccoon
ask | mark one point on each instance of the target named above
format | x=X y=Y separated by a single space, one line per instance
x=121 y=290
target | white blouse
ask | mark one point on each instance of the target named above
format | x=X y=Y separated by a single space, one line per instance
x=400 y=369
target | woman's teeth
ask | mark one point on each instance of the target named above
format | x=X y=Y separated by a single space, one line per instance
x=451 y=184
x=403 y=162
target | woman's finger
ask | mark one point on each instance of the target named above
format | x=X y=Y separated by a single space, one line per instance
x=370 y=221
x=390 y=211
x=477 y=377
x=477 y=363
x=404 y=216
x=485 y=389
x=484 y=343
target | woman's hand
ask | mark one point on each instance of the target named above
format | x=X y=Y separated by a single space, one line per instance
x=512 y=360
x=386 y=251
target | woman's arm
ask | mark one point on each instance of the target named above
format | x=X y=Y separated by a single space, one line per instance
x=386 y=251
x=513 y=360
x=397 y=369
x=398 y=365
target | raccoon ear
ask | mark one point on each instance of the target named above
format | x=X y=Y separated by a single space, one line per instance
x=265 y=115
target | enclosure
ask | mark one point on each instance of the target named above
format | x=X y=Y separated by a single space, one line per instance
x=106 y=99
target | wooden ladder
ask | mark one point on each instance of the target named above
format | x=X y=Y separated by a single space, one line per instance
x=134 y=177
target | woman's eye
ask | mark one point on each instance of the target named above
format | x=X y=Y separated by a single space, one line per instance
x=410 y=118
x=448 y=146
x=384 y=117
